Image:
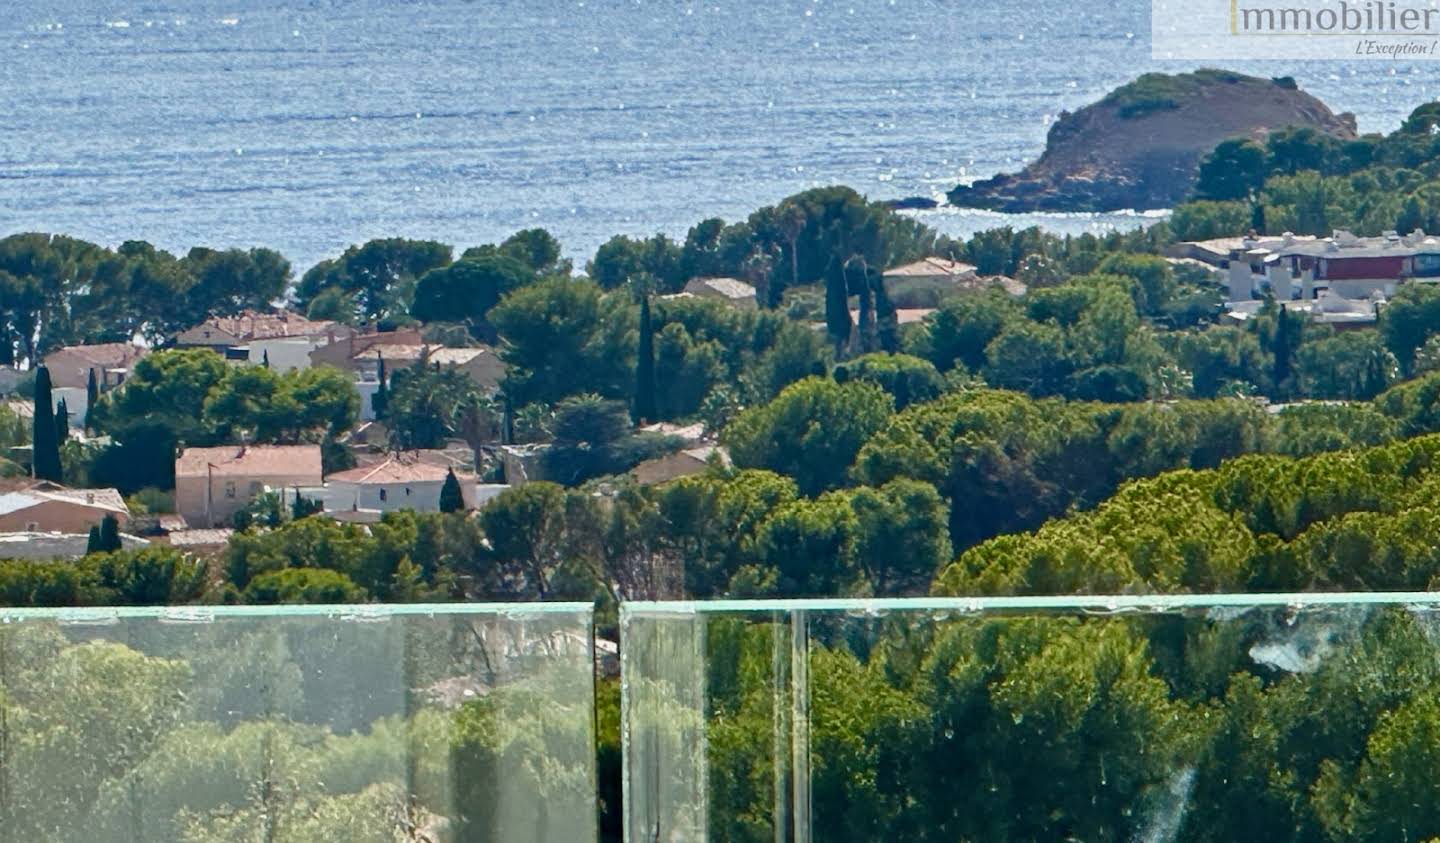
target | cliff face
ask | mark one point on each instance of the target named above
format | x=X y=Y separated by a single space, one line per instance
x=1140 y=146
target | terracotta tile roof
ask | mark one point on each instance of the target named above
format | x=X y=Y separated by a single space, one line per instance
x=254 y=325
x=200 y=538
x=109 y=355
x=929 y=268
x=408 y=353
x=110 y=499
x=404 y=468
x=250 y=461
x=391 y=351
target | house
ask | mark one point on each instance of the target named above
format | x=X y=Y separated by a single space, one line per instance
x=401 y=481
x=481 y=364
x=732 y=291
x=1291 y=267
x=928 y=275
x=212 y=484
x=51 y=508
x=343 y=353
x=679 y=464
x=1328 y=309
x=412 y=480
x=232 y=336
x=70 y=367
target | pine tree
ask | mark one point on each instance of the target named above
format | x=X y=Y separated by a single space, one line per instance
x=62 y=422
x=451 y=498
x=645 y=367
x=92 y=396
x=110 y=535
x=381 y=398
x=46 y=454
x=92 y=545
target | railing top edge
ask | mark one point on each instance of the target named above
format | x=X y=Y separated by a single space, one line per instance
x=1059 y=603
x=335 y=610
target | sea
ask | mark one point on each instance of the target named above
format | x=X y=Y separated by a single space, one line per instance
x=309 y=125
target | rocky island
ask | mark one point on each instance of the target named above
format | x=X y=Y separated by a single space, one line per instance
x=1140 y=146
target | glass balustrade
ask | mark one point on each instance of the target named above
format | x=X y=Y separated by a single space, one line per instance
x=297 y=724
x=1214 y=718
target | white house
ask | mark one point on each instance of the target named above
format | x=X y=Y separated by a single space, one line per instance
x=402 y=481
x=285 y=354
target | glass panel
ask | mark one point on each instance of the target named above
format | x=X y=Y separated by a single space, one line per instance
x=445 y=724
x=1216 y=718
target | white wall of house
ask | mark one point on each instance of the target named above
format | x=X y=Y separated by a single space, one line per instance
x=285 y=353
x=77 y=403
x=367 y=390
x=487 y=492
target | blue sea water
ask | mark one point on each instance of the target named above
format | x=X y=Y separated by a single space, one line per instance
x=307 y=125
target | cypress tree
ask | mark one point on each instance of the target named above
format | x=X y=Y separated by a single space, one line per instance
x=92 y=545
x=110 y=535
x=645 y=367
x=46 y=455
x=451 y=498
x=265 y=357
x=381 y=398
x=837 y=311
x=62 y=422
x=1283 y=348
x=92 y=396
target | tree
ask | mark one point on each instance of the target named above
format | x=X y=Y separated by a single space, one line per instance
x=110 y=535
x=92 y=544
x=563 y=336
x=1283 y=343
x=526 y=528
x=811 y=544
x=837 y=312
x=381 y=399
x=909 y=380
x=537 y=249
x=62 y=423
x=92 y=396
x=425 y=407
x=378 y=277
x=232 y=280
x=902 y=535
x=645 y=367
x=451 y=499
x=1235 y=169
x=46 y=441
x=1409 y=320
x=622 y=259
x=466 y=290
x=811 y=431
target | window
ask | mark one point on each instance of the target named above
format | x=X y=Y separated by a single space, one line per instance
x=407 y=491
x=32 y=526
x=382 y=494
x=255 y=487
x=229 y=488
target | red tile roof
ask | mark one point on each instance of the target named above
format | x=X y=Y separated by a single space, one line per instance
x=250 y=461
x=404 y=468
